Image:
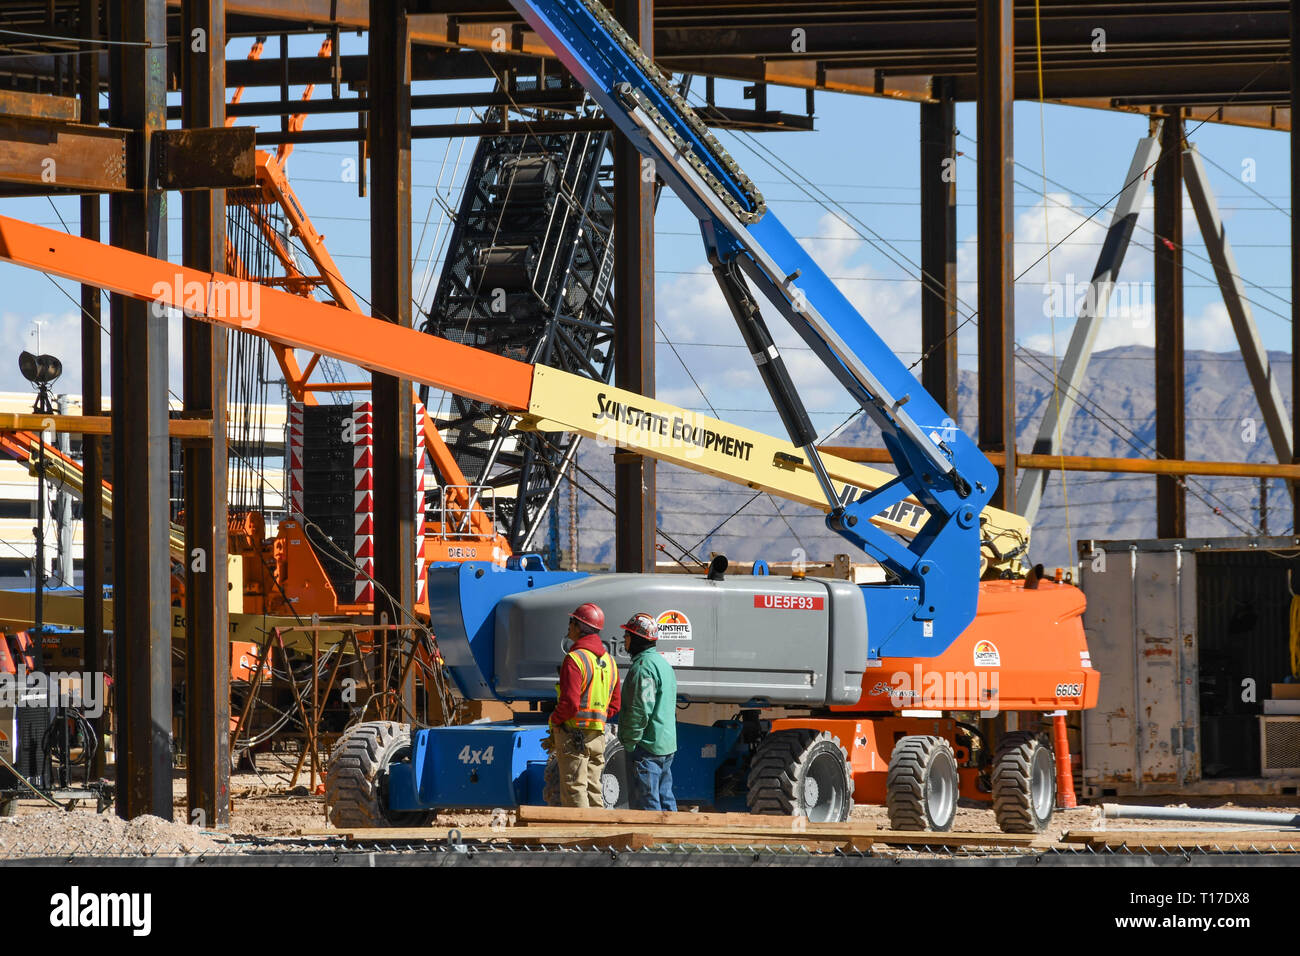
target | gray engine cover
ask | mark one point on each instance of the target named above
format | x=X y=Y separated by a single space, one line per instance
x=770 y=639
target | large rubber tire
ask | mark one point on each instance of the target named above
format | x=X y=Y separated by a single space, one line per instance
x=356 y=781
x=922 y=786
x=1024 y=783
x=801 y=773
x=613 y=780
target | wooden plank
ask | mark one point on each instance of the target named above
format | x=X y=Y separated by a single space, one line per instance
x=537 y=833
x=41 y=106
x=639 y=840
x=861 y=838
x=1189 y=839
x=918 y=838
x=583 y=815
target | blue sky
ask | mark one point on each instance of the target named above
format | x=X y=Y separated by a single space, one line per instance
x=864 y=154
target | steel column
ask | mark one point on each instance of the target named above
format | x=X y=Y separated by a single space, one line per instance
x=1056 y=417
x=390 y=296
x=939 y=247
x=995 y=57
x=1213 y=231
x=1171 y=494
x=93 y=543
x=634 y=305
x=141 y=560
x=1295 y=247
x=207 y=601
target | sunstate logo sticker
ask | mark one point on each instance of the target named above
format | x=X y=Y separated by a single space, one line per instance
x=673 y=626
x=986 y=655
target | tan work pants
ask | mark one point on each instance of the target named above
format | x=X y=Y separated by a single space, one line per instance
x=580 y=767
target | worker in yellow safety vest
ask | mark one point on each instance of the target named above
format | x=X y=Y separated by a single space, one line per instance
x=585 y=698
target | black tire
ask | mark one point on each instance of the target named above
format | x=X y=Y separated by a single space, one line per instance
x=1024 y=783
x=922 y=786
x=356 y=781
x=613 y=779
x=801 y=773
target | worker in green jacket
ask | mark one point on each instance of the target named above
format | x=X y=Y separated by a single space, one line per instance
x=648 y=723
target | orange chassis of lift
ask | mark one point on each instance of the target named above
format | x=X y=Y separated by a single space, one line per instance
x=1044 y=670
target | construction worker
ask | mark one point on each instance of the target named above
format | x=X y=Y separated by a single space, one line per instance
x=648 y=727
x=586 y=697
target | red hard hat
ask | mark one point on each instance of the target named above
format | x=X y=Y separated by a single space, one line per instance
x=589 y=617
x=643 y=626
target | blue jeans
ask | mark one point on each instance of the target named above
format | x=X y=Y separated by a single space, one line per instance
x=651 y=781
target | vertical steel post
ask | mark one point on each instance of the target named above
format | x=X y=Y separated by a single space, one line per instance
x=141 y=557
x=1295 y=250
x=939 y=247
x=207 y=601
x=63 y=568
x=93 y=545
x=634 y=304
x=390 y=297
x=995 y=64
x=1171 y=493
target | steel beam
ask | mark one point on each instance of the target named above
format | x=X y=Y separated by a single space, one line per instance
x=93 y=542
x=1056 y=418
x=390 y=295
x=939 y=248
x=996 y=228
x=1171 y=494
x=427 y=63
x=52 y=154
x=1267 y=390
x=1131 y=466
x=141 y=463
x=39 y=106
x=635 y=528
x=1295 y=248
x=207 y=601
x=441 y=131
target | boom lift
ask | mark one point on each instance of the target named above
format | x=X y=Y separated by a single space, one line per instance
x=737 y=647
x=851 y=657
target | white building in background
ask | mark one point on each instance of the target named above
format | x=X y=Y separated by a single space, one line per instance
x=18 y=493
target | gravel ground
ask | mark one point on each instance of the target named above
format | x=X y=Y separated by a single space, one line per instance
x=265 y=808
x=48 y=832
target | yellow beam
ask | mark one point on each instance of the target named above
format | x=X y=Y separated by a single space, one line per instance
x=1140 y=466
x=622 y=419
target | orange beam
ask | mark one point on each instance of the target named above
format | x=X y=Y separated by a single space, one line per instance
x=273 y=181
x=292 y=320
x=95 y=425
x=1141 y=466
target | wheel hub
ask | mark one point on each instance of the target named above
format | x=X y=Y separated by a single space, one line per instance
x=939 y=793
x=1041 y=788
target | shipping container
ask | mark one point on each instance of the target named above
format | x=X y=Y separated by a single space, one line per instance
x=1189 y=635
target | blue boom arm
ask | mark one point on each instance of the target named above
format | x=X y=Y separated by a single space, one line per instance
x=938 y=571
